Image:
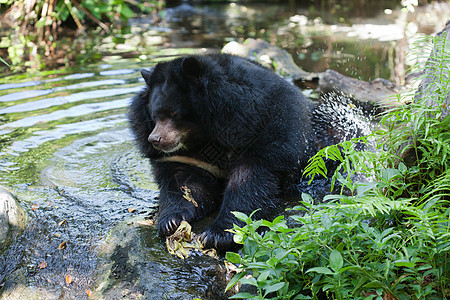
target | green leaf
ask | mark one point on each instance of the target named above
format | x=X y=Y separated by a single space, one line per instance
x=364 y=187
x=321 y=270
x=40 y=23
x=307 y=198
x=402 y=168
x=234 y=280
x=126 y=12
x=275 y=287
x=233 y=257
x=326 y=221
x=243 y=296
x=407 y=264
x=249 y=281
x=263 y=276
x=302 y=297
x=281 y=253
x=373 y=284
x=241 y=216
x=390 y=174
x=3 y=61
x=257 y=265
x=336 y=261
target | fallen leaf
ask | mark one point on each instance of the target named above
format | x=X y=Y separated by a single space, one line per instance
x=43 y=265
x=230 y=267
x=63 y=245
x=89 y=293
x=62 y=222
x=187 y=195
x=131 y=209
x=146 y=222
x=175 y=242
x=69 y=279
x=183 y=241
x=34 y=207
x=211 y=252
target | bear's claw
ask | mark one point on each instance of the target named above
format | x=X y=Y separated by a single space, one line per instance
x=167 y=226
x=217 y=238
x=169 y=223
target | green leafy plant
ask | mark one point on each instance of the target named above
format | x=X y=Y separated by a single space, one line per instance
x=387 y=237
x=3 y=61
x=37 y=25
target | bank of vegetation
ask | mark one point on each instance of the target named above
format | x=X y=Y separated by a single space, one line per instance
x=39 y=27
x=386 y=237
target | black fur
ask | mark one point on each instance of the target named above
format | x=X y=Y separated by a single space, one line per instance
x=234 y=115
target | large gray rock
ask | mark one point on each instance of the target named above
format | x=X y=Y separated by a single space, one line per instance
x=12 y=218
x=379 y=92
x=271 y=56
x=137 y=265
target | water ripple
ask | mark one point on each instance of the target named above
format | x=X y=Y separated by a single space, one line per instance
x=117 y=72
x=42 y=136
x=8 y=86
x=49 y=102
x=75 y=111
x=24 y=95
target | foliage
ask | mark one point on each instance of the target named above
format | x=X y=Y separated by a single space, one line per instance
x=38 y=24
x=3 y=61
x=385 y=238
x=41 y=13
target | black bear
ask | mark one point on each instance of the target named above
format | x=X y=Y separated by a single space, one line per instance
x=222 y=132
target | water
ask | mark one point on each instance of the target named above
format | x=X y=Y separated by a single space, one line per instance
x=75 y=159
x=66 y=149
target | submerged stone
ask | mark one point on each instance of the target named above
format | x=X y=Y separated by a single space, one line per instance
x=137 y=265
x=12 y=218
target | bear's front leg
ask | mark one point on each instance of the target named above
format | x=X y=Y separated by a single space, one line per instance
x=186 y=193
x=249 y=188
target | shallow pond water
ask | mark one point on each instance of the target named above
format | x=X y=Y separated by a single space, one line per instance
x=67 y=153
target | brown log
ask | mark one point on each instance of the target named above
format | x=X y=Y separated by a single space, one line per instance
x=380 y=92
x=270 y=56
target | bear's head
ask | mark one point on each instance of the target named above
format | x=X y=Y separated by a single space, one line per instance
x=174 y=121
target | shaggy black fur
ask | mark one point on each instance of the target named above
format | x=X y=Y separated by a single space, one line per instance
x=225 y=129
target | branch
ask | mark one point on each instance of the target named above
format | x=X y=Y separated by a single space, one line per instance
x=91 y=16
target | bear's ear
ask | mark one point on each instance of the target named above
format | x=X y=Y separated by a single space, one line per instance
x=192 y=67
x=146 y=74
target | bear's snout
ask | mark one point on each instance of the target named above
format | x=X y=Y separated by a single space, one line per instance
x=154 y=139
x=166 y=137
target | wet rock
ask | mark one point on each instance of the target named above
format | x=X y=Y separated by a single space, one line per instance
x=376 y=93
x=137 y=265
x=16 y=288
x=379 y=92
x=271 y=56
x=12 y=218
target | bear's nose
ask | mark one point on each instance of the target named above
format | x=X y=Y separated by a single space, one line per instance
x=154 y=139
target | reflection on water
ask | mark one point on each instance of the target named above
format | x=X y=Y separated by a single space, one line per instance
x=65 y=144
x=66 y=148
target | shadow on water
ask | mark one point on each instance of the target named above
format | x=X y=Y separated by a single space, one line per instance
x=68 y=155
